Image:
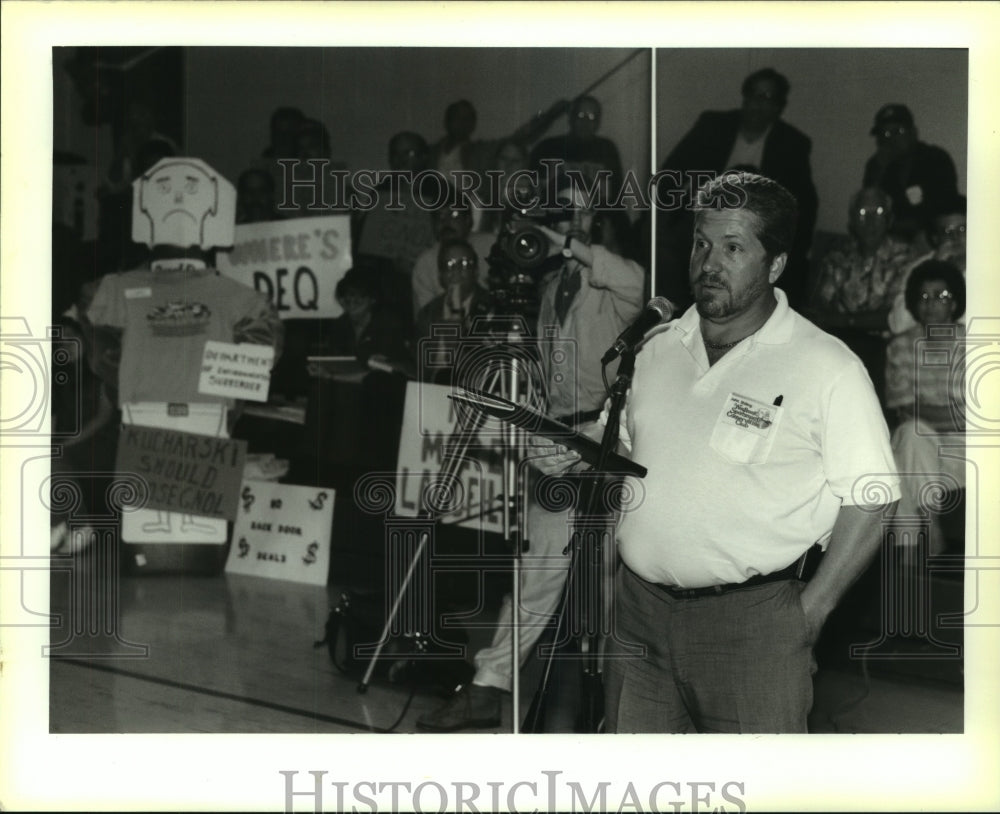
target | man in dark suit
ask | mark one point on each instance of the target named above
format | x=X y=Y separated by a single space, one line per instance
x=752 y=138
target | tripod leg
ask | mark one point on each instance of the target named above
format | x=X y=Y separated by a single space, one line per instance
x=363 y=686
x=534 y=720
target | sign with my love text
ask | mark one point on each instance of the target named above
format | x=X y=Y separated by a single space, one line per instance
x=475 y=500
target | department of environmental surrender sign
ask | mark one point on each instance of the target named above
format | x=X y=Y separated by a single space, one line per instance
x=236 y=371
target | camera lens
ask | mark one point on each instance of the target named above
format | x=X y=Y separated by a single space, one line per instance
x=528 y=247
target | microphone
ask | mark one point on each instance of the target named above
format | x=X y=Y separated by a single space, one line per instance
x=658 y=309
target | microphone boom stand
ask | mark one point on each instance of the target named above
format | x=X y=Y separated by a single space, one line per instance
x=585 y=575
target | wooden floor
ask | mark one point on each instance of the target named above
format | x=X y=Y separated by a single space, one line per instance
x=230 y=654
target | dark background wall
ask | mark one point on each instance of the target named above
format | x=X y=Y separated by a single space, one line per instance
x=364 y=95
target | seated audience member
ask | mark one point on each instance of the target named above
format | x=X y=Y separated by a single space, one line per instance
x=456 y=150
x=284 y=127
x=947 y=239
x=387 y=240
x=858 y=279
x=285 y=123
x=755 y=137
x=355 y=411
x=928 y=399
x=582 y=149
x=462 y=300
x=255 y=197
x=920 y=178
x=365 y=329
x=450 y=223
x=312 y=140
x=312 y=144
x=510 y=158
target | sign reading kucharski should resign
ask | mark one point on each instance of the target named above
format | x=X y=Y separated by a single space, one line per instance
x=198 y=475
x=296 y=263
x=282 y=532
x=429 y=419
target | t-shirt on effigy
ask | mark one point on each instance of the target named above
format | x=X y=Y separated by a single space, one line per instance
x=167 y=317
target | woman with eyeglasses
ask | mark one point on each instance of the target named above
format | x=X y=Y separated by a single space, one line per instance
x=858 y=280
x=925 y=390
x=358 y=365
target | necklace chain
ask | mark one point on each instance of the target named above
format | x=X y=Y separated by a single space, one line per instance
x=723 y=345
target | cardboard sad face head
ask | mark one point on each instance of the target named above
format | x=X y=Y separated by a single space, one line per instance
x=183 y=202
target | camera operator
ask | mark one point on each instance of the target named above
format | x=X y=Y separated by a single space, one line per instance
x=589 y=298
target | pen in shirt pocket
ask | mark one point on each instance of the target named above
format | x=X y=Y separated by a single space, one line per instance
x=778 y=400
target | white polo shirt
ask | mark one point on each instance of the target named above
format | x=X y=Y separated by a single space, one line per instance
x=738 y=485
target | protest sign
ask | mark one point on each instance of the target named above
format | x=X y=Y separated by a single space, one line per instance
x=396 y=235
x=296 y=263
x=429 y=419
x=198 y=475
x=282 y=532
x=236 y=371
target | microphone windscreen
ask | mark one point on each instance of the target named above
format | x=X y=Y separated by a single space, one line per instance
x=663 y=305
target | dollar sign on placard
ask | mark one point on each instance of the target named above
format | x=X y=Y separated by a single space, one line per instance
x=244 y=547
x=248 y=498
x=310 y=558
x=319 y=500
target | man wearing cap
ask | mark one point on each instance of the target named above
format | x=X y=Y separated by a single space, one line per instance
x=920 y=178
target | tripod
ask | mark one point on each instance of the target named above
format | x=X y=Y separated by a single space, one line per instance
x=500 y=368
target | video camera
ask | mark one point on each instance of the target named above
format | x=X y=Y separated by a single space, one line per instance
x=520 y=257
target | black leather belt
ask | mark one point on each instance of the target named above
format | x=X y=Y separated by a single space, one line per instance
x=802 y=569
x=579 y=417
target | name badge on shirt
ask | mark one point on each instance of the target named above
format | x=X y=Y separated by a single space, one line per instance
x=138 y=293
x=745 y=429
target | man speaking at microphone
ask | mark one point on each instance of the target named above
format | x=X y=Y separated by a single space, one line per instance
x=765 y=446
x=588 y=301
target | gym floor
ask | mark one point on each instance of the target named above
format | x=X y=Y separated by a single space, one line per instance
x=221 y=653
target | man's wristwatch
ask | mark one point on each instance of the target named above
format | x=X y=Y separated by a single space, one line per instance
x=566 y=250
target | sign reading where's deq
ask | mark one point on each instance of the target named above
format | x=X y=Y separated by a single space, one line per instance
x=282 y=532
x=296 y=263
